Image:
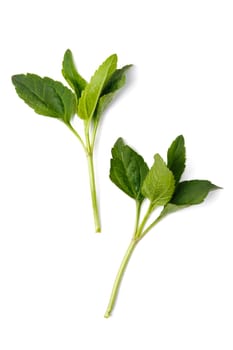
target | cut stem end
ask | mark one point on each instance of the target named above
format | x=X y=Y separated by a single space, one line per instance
x=107 y=314
x=98 y=230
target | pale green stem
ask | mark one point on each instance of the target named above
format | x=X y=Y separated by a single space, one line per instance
x=146 y=217
x=77 y=135
x=138 y=235
x=150 y=226
x=89 y=152
x=116 y=286
x=138 y=211
x=119 y=277
x=95 y=127
x=93 y=192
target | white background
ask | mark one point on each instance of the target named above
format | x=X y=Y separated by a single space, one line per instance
x=56 y=274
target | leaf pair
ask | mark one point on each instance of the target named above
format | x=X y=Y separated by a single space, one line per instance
x=187 y=192
x=160 y=184
x=51 y=98
x=88 y=100
x=94 y=97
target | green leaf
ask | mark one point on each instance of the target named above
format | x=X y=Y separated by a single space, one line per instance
x=188 y=193
x=92 y=92
x=171 y=208
x=71 y=74
x=192 y=192
x=176 y=157
x=46 y=96
x=128 y=170
x=104 y=101
x=159 y=183
x=117 y=80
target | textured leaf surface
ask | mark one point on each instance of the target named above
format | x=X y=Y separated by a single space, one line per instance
x=92 y=92
x=176 y=157
x=192 y=192
x=46 y=96
x=159 y=183
x=117 y=80
x=128 y=170
x=71 y=74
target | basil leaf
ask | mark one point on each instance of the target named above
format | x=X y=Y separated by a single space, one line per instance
x=170 y=208
x=159 y=183
x=176 y=157
x=188 y=193
x=104 y=101
x=192 y=192
x=128 y=170
x=71 y=74
x=117 y=80
x=92 y=92
x=46 y=96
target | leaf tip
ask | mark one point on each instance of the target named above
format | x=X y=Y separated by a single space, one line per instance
x=215 y=187
x=119 y=143
x=180 y=136
x=157 y=156
x=67 y=55
x=128 y=66
x=120 y=140
x=113 y=58
x=13 y=78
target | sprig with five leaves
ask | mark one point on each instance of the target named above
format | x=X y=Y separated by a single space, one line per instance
x=86 y=100
x=160 y=185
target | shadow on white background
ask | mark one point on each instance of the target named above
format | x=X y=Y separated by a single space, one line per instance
x=56 y=274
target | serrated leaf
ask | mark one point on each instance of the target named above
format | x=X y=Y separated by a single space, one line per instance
x=176 y=157
x=159 y=183
x=128 y=169
x=46 y=96
x=192 y=192
x=70 y=73
x=117 y=80
x=92 y=92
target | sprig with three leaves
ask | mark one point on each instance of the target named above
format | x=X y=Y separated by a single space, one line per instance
x=86 y=100
x=160 y=185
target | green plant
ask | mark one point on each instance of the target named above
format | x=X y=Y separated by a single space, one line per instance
x=160 y=185
x=86 y=100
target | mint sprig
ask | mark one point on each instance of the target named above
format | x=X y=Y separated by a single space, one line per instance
x=86 y=100
x=160 y=186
